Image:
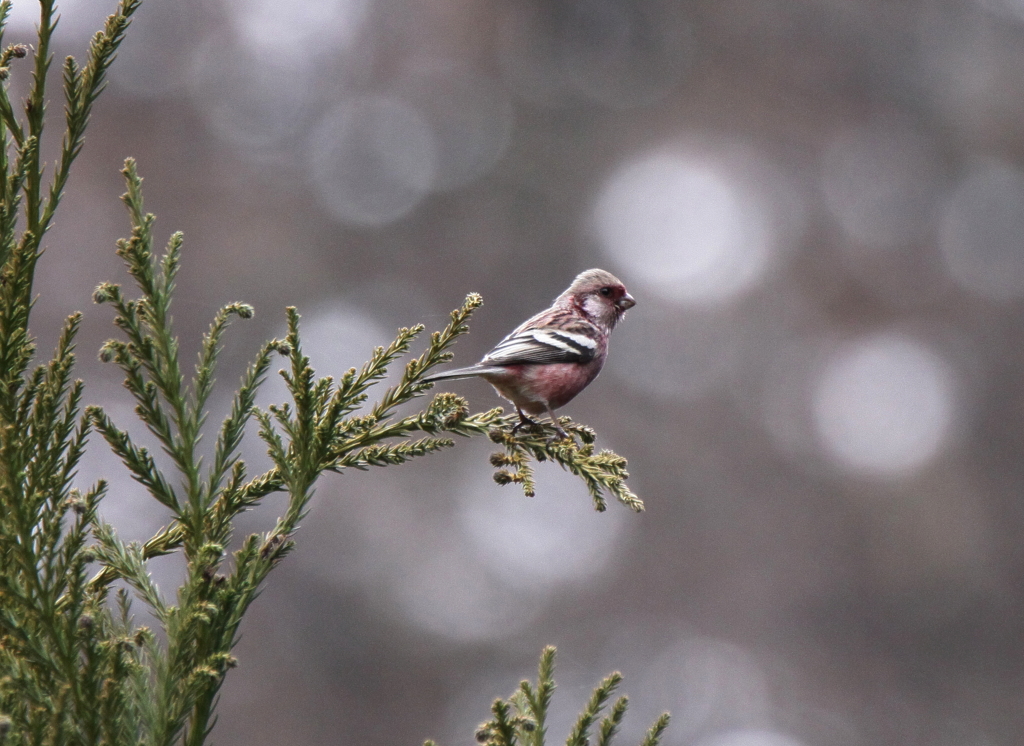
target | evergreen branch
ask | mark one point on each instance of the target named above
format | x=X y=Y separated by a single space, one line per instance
x=147 y=321
x=153 y=344
x=275 y=446
x=446 y=414
x=522 y=718
x=388 y=454
x=14 y=51
x=258 y=488
x=580 y=735
x=16 y=348
x=350 y=393
x=72 y=555
x=8 y=120
x=137 y=458
x=167 y=540
x=67 y=670
x=148 y=406
x=140 y=363
x=12 y=184
x=35 y=108
x=54 y=402
x=611 y=724
x=601 y=471
x=129 y=563
x=202 y=383
x=232 y=430
x=545 y=689
x=81 y=89
x=502 y=730
x=656 y=731
x=162 y=394
x=411 y=384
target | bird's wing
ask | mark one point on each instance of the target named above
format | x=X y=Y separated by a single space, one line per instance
x=542 y=345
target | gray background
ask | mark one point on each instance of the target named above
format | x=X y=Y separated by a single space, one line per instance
x=819 y=207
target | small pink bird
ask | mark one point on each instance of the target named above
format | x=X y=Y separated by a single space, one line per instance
x=553 y=356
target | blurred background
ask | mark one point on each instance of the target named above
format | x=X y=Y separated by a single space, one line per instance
x=819 y=206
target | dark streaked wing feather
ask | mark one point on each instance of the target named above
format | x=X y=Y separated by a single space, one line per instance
x=543 y=345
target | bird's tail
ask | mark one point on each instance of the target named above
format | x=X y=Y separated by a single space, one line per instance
x=471 y=372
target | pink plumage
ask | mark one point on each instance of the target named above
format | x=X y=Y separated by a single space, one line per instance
x=553 y=356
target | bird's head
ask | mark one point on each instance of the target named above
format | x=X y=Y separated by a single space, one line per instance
x=601 y=296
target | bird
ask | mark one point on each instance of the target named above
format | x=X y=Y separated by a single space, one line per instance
x=553 y=356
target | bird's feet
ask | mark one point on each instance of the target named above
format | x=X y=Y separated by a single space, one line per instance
x=562 y=435
x=524 y=421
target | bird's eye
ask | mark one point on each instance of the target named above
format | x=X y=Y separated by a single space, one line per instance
x=605 y=291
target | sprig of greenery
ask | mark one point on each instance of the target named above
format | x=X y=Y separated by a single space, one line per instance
x=521 y=720
x=64 y=664
x=600 y=471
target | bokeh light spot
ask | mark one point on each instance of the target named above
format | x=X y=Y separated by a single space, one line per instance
x=884 y=405
x=750 y=737
x=272 y=25
x=982 y=232
x=685 y=228
x=373 y=159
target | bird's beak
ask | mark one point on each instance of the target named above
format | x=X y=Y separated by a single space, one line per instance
x=625 y=303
